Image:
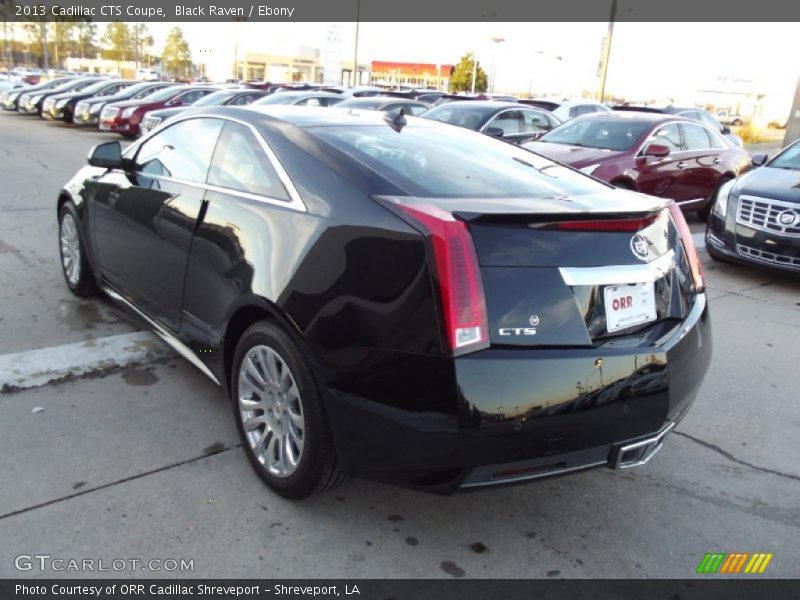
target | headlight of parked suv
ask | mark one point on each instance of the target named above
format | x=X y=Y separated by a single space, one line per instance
x=95 y=108
x=721 y=204
x=128 y=112
x=34 y=99
x=61 y=103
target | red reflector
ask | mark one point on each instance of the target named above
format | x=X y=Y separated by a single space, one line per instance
x=688 y=246
x=609 y=225
x=458 y=274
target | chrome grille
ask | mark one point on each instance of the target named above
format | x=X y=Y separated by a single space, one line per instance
x=763 y=214
x=109 y=112
x=150 y=123
x=769 y=257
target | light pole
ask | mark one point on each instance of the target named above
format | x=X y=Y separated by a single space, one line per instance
x=497 y=40
x=606 y=51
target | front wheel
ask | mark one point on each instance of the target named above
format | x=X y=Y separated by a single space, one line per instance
x=74 y=263
x=279 y=414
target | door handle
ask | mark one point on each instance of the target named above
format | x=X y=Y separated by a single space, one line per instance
x=681 y=165
x=717 y=161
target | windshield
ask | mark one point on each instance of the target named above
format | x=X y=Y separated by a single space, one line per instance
x=609 y=134
x=788 y=159
x=462 y=116
x=452 y=162
x=215 y=98
x=166 y=93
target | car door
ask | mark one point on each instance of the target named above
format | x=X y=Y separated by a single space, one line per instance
x=143 y=217
x=662 y=176
x=703 y=162
x=244 y=188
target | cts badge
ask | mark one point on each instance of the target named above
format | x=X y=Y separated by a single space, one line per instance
x=533 y=320
x=517 y=331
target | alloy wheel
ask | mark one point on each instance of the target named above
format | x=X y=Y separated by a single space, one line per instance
x=70 y=249
x=271 y=411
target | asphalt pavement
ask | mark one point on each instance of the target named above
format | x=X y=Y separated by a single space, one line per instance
x=134 y=455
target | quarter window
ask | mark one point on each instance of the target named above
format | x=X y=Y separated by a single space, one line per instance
x=239 y=163
x=182 y=151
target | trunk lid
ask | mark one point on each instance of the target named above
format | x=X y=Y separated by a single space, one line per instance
x=555 y=271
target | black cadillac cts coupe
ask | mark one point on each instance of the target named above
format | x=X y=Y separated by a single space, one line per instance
x=395 y=298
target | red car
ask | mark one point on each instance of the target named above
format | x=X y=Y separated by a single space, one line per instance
x=125 y=117
x=657 y=154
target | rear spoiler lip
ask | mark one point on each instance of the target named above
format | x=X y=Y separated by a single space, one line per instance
x=540 y=209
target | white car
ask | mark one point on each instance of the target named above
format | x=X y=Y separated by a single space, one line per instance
x=567 y=109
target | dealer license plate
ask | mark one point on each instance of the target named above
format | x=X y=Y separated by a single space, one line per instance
x=629 y=305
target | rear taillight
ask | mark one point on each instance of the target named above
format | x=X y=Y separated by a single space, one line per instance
x=688 y=246
x=457 y=273
x=604 y=225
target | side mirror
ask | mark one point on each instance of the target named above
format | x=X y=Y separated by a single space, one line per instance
x=759 y=159
x=725 y=130
x=497 y=132
x=107 y=156
x=656 y=150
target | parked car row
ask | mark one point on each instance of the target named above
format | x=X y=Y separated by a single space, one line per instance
x=676 y=153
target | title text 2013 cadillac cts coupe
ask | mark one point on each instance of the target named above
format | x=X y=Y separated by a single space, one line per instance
x=395 y=298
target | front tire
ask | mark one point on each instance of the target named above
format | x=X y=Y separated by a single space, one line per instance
x=279 y=414
x=74 y=264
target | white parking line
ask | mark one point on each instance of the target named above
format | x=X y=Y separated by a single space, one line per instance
x=699 y=240
x=39 y=367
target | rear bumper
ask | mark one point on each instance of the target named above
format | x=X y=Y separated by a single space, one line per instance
x=522 y=414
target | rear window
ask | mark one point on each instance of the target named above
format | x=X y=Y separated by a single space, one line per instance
x=450 y=162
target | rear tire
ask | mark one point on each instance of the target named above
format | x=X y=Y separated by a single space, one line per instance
x=704 y=212
x=279 y=414
x=74 y=264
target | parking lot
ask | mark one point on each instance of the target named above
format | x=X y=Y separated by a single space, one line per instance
x=134 y=455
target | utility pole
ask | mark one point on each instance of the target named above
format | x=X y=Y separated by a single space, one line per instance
x=606 y=51
x=43 y=35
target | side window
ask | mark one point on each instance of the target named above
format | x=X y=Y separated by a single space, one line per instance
x=244 y=99
x=193 y=96
x=239 y=163
x=509 y=121
x=695 y=137
x=585 y=109
x=535 y=121
x=710 y=121
x=182 y=151
x=309 y=102
x=668 y=136
x=331 y=101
